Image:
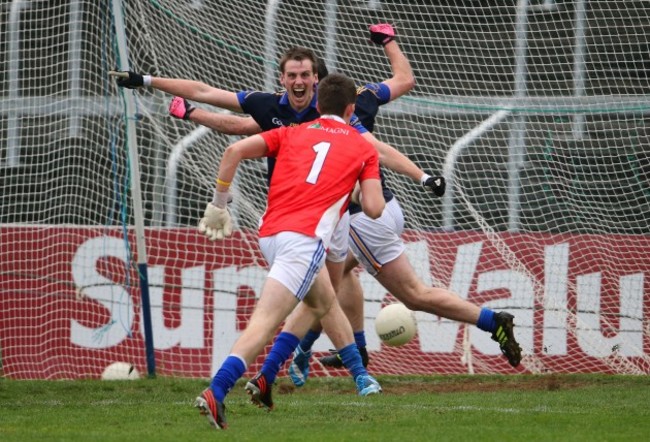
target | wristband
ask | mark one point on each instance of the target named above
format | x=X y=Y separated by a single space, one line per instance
x=146 y=80
x=223 y=183
x=424 y=178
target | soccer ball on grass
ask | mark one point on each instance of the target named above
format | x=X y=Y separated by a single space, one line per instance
x=395 y=325
x=120 y=371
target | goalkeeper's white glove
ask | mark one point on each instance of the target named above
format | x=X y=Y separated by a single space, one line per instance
x=216 y=222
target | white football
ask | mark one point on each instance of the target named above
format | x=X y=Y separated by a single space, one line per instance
x=120 y=371
x=395 y=325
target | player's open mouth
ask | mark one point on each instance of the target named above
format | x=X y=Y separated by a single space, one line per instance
x=299 y=93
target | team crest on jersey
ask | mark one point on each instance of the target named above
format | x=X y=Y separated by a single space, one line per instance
x=372 y=87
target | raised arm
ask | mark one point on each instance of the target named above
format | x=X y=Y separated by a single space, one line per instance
x=251 y=147
x=224 y=123
x=396 y=161
x=190 y=89
x=403 y=79
x=217 y=222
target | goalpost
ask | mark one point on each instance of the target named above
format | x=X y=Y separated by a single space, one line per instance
x=136 y=192
x=535 y=110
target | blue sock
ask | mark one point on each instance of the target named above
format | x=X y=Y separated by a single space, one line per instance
x=486 y=320
x=283 y=347
x=231 y=370
x=360 y=338
x=308 y=341
x=352 y=360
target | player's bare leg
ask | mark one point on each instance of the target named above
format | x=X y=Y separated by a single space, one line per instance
x=315 y=305
x=334 y=323
x=335 y=271
x=350 y=296
x=399 y=278
x=337 y=327
x=340 y=332
x=299 y=368
x=275 y=303
x=301 y=318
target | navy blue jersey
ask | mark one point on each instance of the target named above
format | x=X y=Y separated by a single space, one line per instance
x=272 y=110
x=369 y=98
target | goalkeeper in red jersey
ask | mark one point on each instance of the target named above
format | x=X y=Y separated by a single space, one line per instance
x=317 y=166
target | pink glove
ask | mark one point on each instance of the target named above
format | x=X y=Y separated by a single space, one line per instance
x=181 y=108
x=382 y=34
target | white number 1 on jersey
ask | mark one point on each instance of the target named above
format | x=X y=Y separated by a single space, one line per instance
x=321 y=150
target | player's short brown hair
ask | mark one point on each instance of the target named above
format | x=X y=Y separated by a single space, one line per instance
x=322 y=69
x=335 y=93
x=298 y=53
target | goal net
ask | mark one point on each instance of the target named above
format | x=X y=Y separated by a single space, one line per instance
x=535 y=111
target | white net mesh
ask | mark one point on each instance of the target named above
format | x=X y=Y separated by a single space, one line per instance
x=536 y=112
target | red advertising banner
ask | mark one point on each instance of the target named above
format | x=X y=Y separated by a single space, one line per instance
x=70 y=302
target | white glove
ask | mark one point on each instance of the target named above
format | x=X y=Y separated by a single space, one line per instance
x=216 y=222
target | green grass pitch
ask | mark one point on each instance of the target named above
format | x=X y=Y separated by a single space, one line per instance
x=412 y=408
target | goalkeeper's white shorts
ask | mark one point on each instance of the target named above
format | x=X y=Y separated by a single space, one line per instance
x=294 y=260
x=340 y=241
x=375 y=242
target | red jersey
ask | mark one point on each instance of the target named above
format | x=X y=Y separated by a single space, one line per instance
x=317 y=166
